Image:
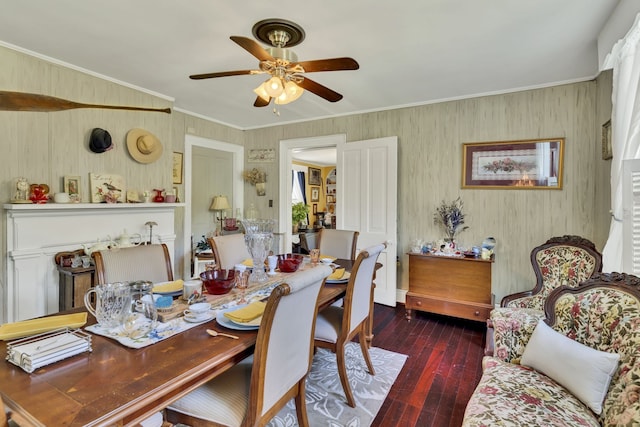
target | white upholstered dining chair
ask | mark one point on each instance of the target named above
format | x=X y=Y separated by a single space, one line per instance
x=144 y=262
x=335 y=326
x=338 y=243
x=253 y=391
x=228 y=250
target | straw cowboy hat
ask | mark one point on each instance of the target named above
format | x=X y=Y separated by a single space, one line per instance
x=143 y=146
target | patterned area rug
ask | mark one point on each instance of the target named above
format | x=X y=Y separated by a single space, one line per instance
x=326 y=404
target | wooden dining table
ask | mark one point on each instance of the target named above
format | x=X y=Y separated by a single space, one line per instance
x=117 y=385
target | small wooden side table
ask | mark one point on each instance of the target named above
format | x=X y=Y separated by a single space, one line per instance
x=73 y=283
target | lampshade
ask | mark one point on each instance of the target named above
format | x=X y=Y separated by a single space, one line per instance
x=262 y=92
x=219 y=203
x=274 y=86
x=291 y=92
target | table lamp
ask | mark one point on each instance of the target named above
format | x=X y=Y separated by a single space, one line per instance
x=219 y=204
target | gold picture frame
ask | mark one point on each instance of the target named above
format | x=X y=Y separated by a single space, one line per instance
x=72 y=186
x=315 y=176
x=522 y=165
x=177 y=167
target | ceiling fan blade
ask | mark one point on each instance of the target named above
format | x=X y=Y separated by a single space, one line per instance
x=253 y=48
x=260 y=102
x=332 y=64
x=321 y=91
x=222 y=74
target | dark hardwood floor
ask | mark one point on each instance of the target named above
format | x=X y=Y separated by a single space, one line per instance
x=441 y=372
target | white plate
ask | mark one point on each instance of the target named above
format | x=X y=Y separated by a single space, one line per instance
x=228 y=323
x=198 y=319
x=343 y=279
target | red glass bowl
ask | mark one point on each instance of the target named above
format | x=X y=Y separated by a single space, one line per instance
x=288 y=263
x=218 y=282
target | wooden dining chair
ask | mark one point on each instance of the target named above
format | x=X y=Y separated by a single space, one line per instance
x=144 y=262
x=336 y=326
x=338 y=243
x=228 y=250
x=253 y=391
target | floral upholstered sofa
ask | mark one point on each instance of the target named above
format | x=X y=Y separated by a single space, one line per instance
x=588 y=346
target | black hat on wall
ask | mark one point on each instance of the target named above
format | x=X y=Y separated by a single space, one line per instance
x=100 y=141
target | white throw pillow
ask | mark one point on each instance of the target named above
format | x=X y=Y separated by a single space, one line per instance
x=582 y=370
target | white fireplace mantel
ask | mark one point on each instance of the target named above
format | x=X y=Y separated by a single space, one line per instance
x=35 y=233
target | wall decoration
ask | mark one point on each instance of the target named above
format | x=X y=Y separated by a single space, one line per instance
x=262 y=155
x=315 y=208
x=315 y=176
x=177 y=168
x=315 y=194
x=526 y=164
x=607 y=151
x=72 y=188
x=107 y=188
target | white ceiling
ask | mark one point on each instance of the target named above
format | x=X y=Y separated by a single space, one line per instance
x=410 y=52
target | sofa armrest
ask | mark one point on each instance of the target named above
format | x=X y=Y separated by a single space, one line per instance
x=512 y=328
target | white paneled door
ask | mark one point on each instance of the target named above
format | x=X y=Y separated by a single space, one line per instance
x=367 y=202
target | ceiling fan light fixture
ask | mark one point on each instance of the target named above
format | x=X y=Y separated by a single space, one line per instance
x=274 y=86
x=291 y=92
x=262 y=92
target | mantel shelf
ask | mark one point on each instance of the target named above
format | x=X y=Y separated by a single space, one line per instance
x=80 y=206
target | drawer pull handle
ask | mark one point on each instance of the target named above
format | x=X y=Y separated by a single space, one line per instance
x=419 y=303
x=477 y=313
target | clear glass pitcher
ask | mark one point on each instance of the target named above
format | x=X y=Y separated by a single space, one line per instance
x=112 y=303
x=259 y=238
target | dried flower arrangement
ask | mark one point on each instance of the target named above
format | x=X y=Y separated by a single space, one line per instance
x=450 y=217
x=255 y=176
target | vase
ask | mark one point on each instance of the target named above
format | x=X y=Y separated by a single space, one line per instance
x=258 y=237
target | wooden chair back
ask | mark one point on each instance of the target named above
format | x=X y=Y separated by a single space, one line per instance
x=228 y=250
x=284 y=348
x=144 y=262
x=338 y=243
x=567 y=260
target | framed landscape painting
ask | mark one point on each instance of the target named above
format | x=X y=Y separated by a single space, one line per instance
x=525 y=165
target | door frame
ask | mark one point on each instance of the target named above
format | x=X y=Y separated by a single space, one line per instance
x=237 y=152
x=286 y=150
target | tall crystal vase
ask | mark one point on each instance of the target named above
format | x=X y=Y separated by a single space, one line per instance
x=258 y=236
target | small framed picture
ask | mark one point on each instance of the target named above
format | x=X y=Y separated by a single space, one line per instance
x=177 y=168
x=315 y=194
x=315 y=208
x=331 y=199
x=72 y=188
x=315 y=176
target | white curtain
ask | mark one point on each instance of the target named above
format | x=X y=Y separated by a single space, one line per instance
x=625 y=132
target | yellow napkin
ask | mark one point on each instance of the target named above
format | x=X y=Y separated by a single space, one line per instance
x=332 y=258
x=248 y=262
x=247 y=313
x=24 y=328
x=336 y=275
x=174 y=286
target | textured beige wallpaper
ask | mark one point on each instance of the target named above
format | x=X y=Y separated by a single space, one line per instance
x=45 y=147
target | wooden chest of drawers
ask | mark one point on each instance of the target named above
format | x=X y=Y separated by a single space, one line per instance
x=458 y=287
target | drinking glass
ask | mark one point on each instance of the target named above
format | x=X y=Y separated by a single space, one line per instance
x=315 y=256
x=272 y=262
x=242 y=282
x=258 y=237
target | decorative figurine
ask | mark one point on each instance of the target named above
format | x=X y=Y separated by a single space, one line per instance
x=22 y=191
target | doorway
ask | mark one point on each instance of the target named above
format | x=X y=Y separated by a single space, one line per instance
x=200 y=146
x=286 y=157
